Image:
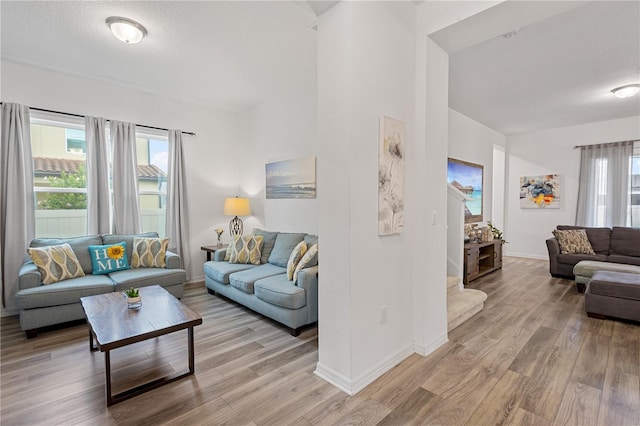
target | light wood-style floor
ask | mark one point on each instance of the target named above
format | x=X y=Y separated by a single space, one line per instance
x=531 y=357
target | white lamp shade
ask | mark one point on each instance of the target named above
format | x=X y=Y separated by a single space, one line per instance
x=126 y=30
x=237 y=207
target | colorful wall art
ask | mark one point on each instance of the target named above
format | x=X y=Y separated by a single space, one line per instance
x=540 y=192
x=291 y=178
x=468 y=178
x=391 y=176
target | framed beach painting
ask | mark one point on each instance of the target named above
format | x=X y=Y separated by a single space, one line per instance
x=291 y=178
x=468 y=178
x=540 y=192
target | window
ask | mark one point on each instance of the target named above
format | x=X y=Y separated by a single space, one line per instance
x=635 y=187
x=153 y=156
x=76 y=142
x=59 y=178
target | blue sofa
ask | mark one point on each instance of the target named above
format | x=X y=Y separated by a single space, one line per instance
x=43 y=305
x=265 y=288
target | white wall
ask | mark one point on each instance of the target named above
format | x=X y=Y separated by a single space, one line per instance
x=281 y=128
x=472 y=141
x=546 y=152
x=211 y=155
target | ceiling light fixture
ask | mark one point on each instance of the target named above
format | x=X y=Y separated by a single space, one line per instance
x=626 y=91
x=126 y=30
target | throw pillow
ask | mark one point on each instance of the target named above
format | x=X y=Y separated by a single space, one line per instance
x=109 y=258
x=573 y=241
x=149 y=252
x=56 y=263
x=294 y=258
x=309 y=259
x=246 y=249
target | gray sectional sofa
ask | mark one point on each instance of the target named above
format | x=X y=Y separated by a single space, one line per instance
x=43 y=305
x=265 y=288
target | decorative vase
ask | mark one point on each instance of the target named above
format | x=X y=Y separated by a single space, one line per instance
x=219 y=241
x=134 y=302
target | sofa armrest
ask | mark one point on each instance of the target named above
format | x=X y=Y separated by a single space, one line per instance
x=308 y=280
x=218 y=256
x=554 y=250
x=29 y=276
x=172 y=261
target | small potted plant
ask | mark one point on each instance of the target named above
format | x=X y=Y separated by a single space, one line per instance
x=134 y=300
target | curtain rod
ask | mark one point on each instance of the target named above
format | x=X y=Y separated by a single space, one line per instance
x=82 y=116
x=607 y=143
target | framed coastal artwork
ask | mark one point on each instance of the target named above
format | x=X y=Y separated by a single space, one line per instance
x=391 y=176
x=469 y=179
x=540 y=192
x=291 y=178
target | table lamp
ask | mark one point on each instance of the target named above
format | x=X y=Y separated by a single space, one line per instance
x=236 y=207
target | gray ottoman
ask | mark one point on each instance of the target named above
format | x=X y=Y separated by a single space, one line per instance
x=586 y=268
x=613 y=294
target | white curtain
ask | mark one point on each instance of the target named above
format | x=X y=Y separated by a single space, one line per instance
x=98 y=206
x=177 y=225
x=604 y=194
x=126 y=200
x=17 y=217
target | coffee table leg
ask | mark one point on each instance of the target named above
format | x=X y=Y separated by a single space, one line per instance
x=107 y=375
x=192 y=366
x=92 y=348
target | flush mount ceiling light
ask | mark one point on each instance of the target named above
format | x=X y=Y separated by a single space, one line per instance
x=126 y=30
x=626 y=91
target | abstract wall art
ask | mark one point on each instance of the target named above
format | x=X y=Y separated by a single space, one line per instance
x=540 y=192
x=391 y=176
x=291 y=178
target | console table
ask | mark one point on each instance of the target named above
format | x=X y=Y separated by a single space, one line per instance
x=481 y=259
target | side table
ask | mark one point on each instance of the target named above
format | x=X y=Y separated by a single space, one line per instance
x=212 y=249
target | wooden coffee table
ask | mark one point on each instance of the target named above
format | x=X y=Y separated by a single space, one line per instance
x=113 y=325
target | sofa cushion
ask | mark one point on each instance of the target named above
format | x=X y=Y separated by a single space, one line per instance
x=279 y=291
x=629 y=260
x=246 y=249
x=294 y=258
x=625 y=241
x=149 y=252
x=80 y=246
x=127 y=238
x=63 y=292
x=598 y=237
x=573 y=241
x=268 y=240
x=109 y=258
x=143 y=277
x=284 y=245
x=220 y=270
x=306 y=261
x=244 y=280
x=56 y=263
x=615 y=284
x=572 y=259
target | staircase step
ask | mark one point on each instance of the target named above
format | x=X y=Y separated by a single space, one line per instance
x=463 y=305
x=452 y=281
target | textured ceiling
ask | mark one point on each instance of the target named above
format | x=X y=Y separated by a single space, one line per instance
x=218 y=53
x=557 y=70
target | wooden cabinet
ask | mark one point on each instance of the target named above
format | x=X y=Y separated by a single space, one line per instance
x=481 y=259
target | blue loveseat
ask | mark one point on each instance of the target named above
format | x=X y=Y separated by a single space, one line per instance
x=265 y=288
x=43 y=305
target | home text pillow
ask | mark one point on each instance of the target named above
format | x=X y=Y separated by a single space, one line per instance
x=573 y=241
x=149 y=252
x=109 y=258
x=306 y=261
x=246 y=249
x=298 y=251
x=56 y=263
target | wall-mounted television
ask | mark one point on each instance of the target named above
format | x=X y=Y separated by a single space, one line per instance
x=468 y=178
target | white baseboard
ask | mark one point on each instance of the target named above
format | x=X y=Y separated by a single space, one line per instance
x=334 y=378
x=192 y=280
x=428 y=348
x=527 y=256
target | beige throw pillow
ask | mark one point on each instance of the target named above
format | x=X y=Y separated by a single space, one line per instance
x=56 y=263
x=294 y=258
x=149 y=252
x=573 y=241
x=306 y=260
x=246 y=249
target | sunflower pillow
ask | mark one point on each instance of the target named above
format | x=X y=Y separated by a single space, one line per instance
x=109 y=258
